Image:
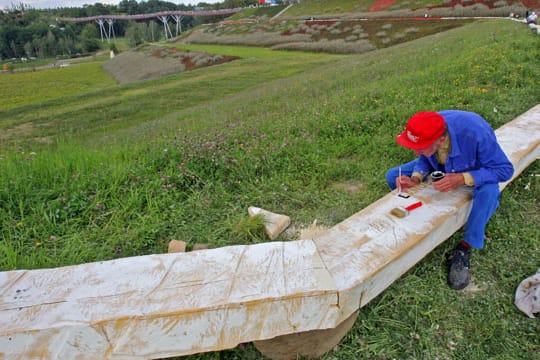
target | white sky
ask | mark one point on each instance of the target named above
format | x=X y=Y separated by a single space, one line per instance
x=45 y=4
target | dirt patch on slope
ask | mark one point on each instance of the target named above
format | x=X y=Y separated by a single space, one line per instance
x=152 y=62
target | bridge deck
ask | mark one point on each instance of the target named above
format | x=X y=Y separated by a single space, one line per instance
x=135 y=17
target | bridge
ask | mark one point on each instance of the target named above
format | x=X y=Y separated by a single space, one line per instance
x=163 y=16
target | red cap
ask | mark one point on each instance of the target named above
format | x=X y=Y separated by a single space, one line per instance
x=422 y=130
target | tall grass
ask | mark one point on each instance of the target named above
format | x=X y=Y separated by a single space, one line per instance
x=162 y=161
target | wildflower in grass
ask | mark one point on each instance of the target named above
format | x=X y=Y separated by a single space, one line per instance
x=38 y=244
x=100 y=206
x=19 y=224
x=52 y=238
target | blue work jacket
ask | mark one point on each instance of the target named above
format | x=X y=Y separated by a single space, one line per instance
x=474 y=149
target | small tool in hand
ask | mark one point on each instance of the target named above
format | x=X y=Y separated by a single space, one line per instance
x=436 y=175
x=401 y=193
x=401 y=212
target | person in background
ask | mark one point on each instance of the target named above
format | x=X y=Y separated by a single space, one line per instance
x=532 y=18
x=463 y=146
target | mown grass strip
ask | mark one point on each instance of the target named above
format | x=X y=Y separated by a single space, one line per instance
x=37 y=87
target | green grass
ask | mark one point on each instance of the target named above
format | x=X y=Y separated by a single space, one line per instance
x=257 y=13
x=128 y=168
x=38 y=87
x=107 y=108
x=327 y=7
x=321 y=7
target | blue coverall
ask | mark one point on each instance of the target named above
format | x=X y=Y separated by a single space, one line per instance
x=474 y=149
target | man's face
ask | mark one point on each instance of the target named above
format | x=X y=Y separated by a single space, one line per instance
x=430 y=150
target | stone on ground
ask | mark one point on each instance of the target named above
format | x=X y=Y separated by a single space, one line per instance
x=177 y=246
x=275 y=223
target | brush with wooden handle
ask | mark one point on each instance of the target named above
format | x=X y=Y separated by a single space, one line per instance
x=401 y=212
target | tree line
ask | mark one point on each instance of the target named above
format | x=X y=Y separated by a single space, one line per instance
x=28 y=33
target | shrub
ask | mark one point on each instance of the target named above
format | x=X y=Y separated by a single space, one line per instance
x=255 y=39
x=411 y=30
x=331 y=46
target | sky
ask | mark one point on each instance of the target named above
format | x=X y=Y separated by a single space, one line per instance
x=48 y=4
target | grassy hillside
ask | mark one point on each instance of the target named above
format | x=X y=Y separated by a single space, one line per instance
x=390 y=8
x=331 y=36
x=108 y=108
x=95 y=174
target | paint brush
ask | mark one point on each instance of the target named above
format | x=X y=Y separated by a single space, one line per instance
x=399 y=180
x=399 y=192
x=402 y=212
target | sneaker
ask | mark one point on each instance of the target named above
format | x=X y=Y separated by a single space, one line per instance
x=458 y=274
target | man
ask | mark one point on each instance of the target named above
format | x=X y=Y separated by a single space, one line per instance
x=532 y=18
x=463 y=146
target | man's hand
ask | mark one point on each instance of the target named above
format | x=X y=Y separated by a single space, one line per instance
x=405 y=182
x=449 y=182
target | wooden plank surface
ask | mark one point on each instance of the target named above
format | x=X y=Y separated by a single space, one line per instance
x=176 y=304
x=164 y=305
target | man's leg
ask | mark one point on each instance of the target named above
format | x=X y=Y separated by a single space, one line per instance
x=393 y=173
x=485 y=202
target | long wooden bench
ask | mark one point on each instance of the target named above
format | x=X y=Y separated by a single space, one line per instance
x=165 y=305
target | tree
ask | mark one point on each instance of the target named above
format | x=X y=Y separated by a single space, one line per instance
x=29 y=49
x=89 y=38
x=152 y=6
x=50 y=44
x=135 y=33
x=129 y=7
x=153 y=33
